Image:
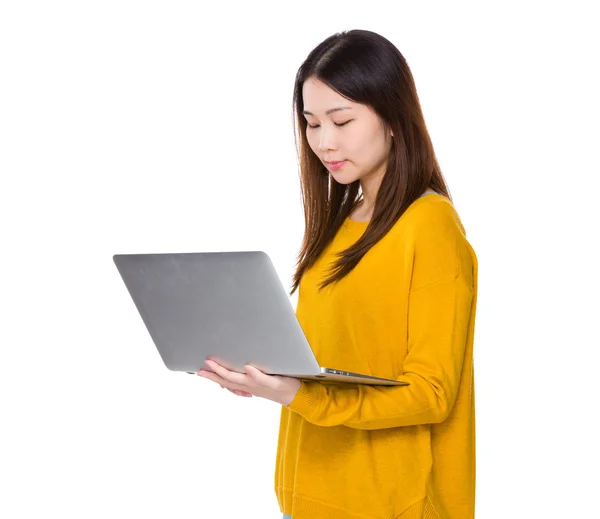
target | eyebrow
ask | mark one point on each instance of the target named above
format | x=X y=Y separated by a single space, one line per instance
x=331 y=110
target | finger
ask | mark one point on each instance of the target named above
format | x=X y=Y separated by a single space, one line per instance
x=224 y=373
x=223 y=383
x=239 y=392
x=261 y=378
x=213 y=377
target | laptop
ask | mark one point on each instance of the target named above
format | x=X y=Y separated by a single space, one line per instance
x=230 y=307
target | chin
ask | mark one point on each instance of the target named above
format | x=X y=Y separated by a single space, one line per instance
x=344 y=179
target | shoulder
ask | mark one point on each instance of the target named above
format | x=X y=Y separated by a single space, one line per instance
x=434 y=212
x=429 y=219
x=431 y=227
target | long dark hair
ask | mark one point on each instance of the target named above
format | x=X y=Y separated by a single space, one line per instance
x=366 y=68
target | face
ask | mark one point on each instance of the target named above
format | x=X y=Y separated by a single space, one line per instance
x=341 y=130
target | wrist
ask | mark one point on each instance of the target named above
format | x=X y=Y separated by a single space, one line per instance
x=295 y=385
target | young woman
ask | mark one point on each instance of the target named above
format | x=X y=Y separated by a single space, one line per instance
x=387 y=286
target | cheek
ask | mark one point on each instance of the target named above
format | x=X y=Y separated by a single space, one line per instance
x=372 y=145
x=312 y=141
x=357 y=145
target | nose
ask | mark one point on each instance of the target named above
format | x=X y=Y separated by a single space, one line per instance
x=325 y=141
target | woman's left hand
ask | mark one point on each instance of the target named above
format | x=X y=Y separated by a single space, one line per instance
x=254 y=382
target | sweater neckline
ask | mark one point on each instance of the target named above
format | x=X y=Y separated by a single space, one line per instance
x=355 y=224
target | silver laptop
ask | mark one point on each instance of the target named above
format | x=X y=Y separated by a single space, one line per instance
x=227 y=306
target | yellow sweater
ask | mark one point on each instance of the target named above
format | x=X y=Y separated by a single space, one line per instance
x=406 y=312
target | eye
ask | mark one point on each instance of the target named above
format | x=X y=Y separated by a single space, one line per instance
x=341 y=124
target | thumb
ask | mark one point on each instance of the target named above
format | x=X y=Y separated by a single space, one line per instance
x=250 y=370
x=262 y=379
x=253 y=373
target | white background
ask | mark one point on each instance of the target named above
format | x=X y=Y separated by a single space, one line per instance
x=130 y=127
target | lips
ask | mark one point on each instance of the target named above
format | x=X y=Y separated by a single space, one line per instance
x=334 y=166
